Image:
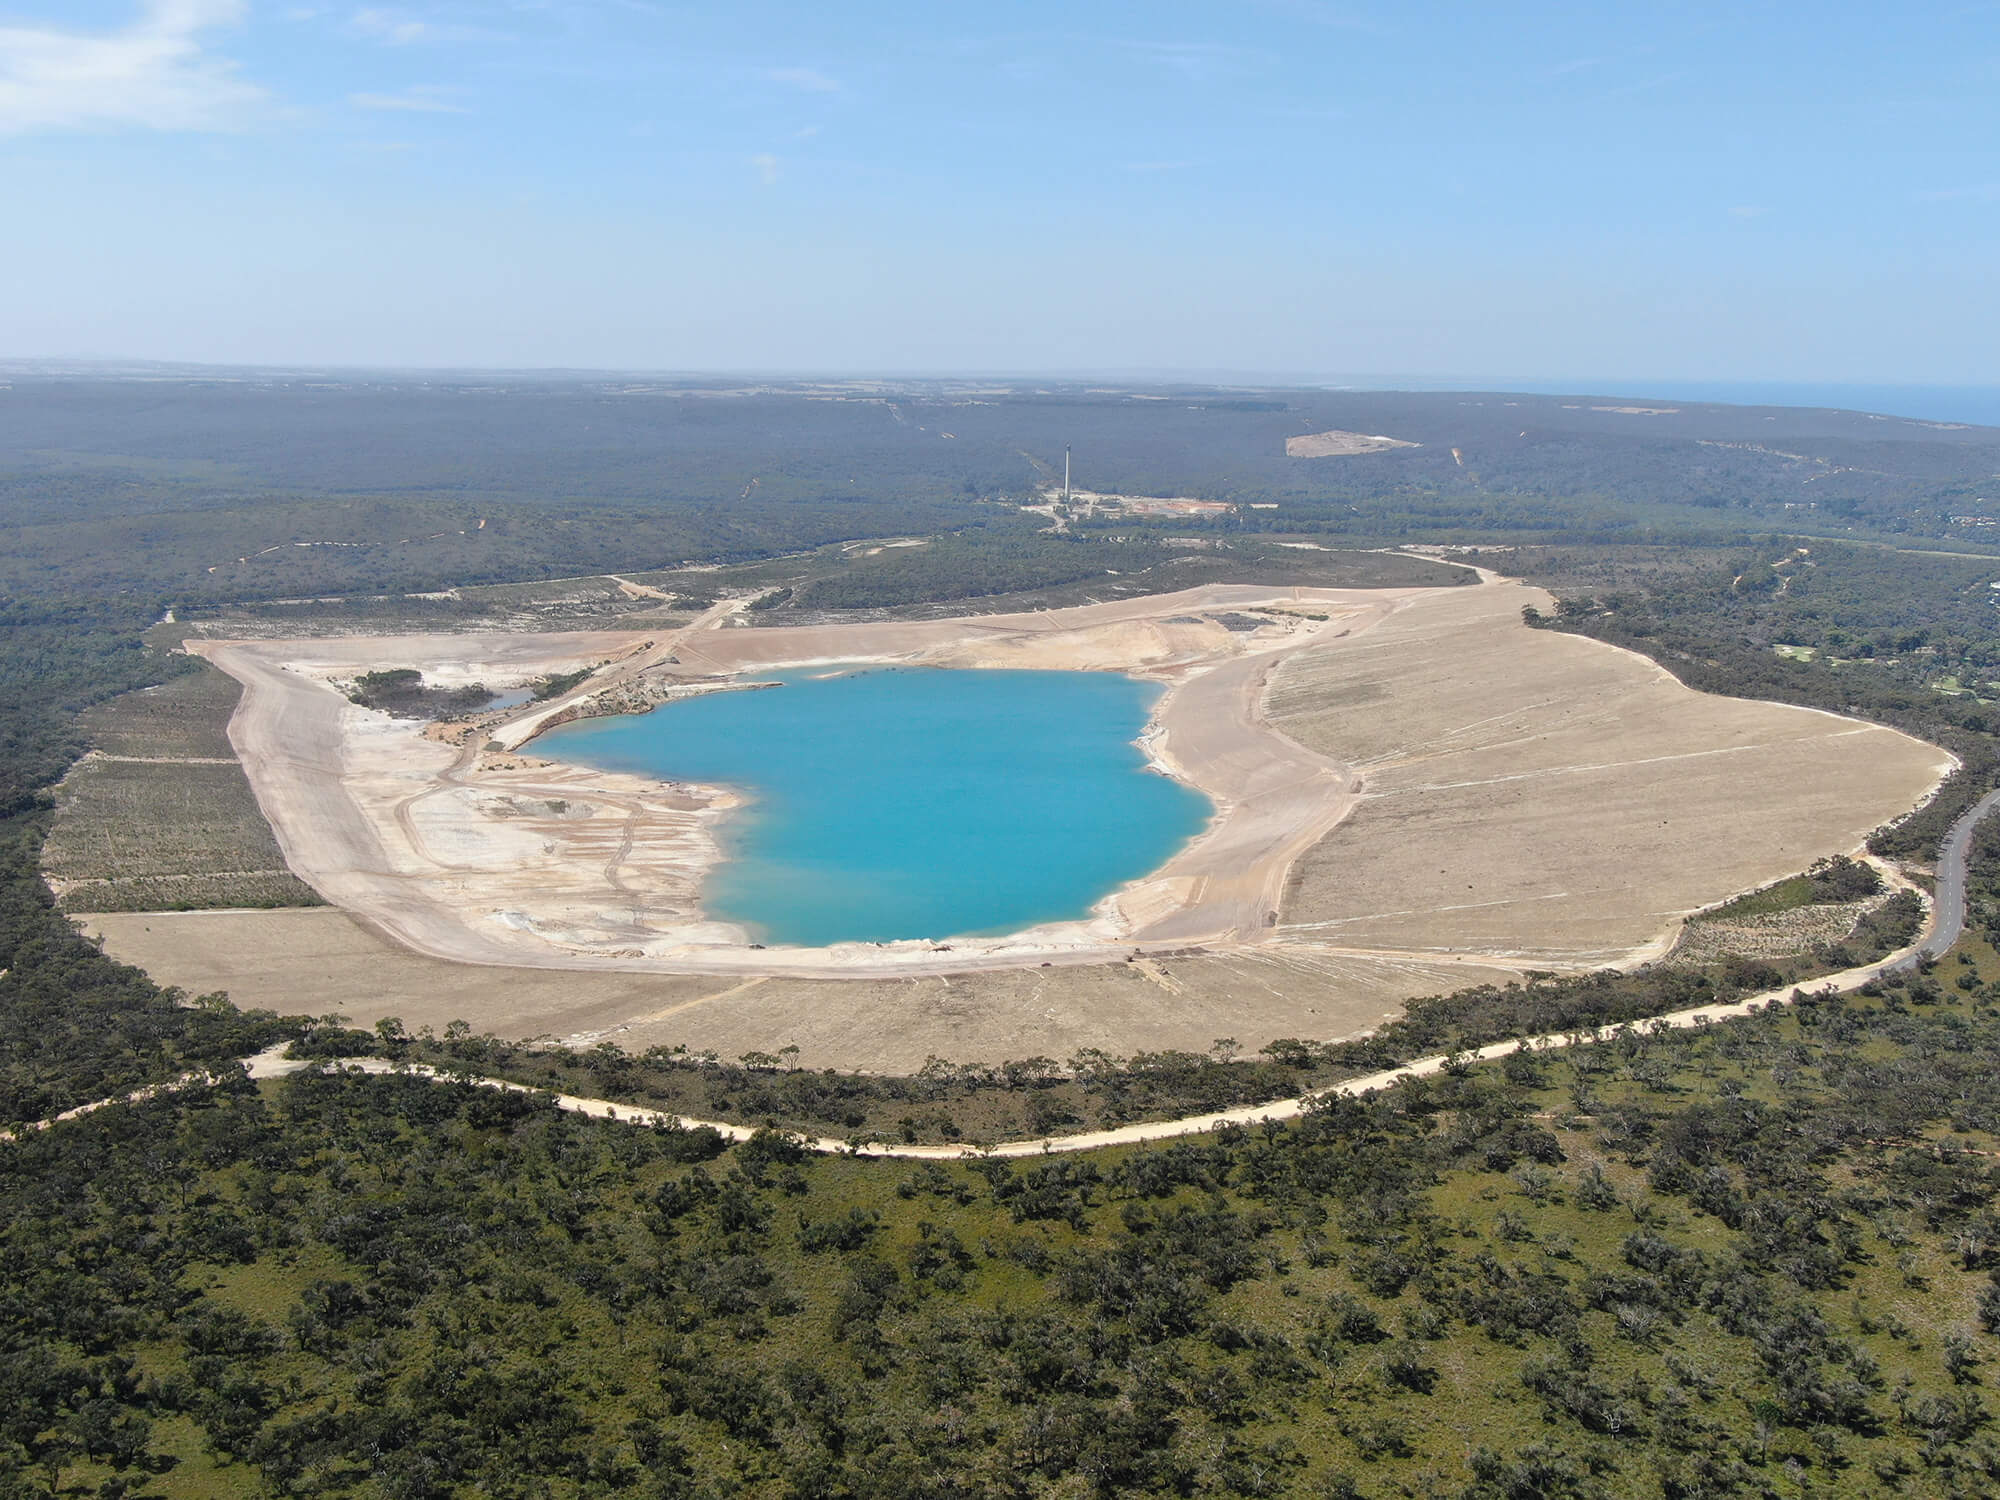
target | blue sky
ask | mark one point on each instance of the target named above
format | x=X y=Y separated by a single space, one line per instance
x=1308 y=187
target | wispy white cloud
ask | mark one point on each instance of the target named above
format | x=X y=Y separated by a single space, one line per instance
x=767 y=167
x=1645 y=85
x=1155 y=166
x=806 y=134
x=1748 y=211
x=398 y=28
x=1983 y=192
x=1029 y=72
x=809 y=80
x=1200 y=62
x=423 y=99
x=152 y=74
x=387 y=26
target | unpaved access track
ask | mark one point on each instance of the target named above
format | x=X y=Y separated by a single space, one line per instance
x=1944 y=922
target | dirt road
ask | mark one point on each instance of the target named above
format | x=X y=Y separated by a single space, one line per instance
x=1943 y=926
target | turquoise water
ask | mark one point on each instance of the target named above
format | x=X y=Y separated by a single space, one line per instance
x=913 y=802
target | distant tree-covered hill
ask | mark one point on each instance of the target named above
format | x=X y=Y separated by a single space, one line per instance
x=263 y=487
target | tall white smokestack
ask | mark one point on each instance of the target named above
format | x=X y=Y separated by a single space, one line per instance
x=1065 y=473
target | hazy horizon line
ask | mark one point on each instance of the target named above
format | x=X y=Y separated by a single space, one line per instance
x=1371 y=381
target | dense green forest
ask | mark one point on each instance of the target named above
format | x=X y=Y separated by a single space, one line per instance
x=218 y=490
x=57 y=657
x=74 y=1025
x=1754 y=1259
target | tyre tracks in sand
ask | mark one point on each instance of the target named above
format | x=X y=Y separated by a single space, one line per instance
x=656 y=652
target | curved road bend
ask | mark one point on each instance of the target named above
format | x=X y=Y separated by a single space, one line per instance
x=1947 y=922
x=1948 y=903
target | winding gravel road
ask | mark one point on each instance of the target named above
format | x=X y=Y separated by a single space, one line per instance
x=1946 y=924
x=1948 y=902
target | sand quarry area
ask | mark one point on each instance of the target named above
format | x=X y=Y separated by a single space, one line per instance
x=1414 y=792
x=1338 y=444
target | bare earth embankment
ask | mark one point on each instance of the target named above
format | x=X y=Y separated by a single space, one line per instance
x=1542 y=798
x=1426 y=792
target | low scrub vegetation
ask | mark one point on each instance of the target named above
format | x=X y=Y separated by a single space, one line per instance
x=186 y=716
x=166 y=835
x=403 y=693
x=1831 y=882
x=1741 y=1260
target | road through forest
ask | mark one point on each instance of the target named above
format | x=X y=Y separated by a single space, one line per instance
x=1945 y=925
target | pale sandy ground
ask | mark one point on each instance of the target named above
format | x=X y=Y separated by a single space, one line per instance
x=1338 y=444
x=1523 y=799
x=1540 y=797
x=501 y=859
x=1944 y=919
x=272 y=1063
x=321 y=961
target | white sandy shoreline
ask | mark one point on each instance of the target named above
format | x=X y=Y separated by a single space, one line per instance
x=1106 y=914
x=444 y=850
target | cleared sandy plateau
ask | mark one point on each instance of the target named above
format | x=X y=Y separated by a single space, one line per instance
x=1338 y=444
x=1428 y=794
x=1535 y=797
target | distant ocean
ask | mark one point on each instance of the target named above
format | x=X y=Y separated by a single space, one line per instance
x=1930 y=403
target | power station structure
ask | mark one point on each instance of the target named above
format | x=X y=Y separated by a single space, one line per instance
x=1065 y=473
